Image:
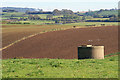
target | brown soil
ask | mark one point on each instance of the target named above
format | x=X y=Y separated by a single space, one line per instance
x=63 y=44
x=12 y=33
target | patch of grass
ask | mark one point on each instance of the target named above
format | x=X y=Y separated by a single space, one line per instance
x=92 y=23
x=99 y=19
x=57 y=16
x=61 y=68
x=43 y=16
x=8 y=14
x=38 y=22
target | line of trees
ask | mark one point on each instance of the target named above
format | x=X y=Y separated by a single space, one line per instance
x=68 y=16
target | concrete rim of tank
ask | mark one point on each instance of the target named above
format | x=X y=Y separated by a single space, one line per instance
x=92 y=46
x=97 y=46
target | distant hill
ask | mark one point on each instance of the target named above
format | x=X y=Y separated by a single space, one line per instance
x=102 y=12
x=20 y=9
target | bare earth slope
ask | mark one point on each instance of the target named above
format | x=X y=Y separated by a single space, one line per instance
x=63 y=44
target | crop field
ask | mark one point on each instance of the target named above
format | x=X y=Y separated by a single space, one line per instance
x=109 y=13
x=60 y=68
x=45 y=15
x=57 y=16
x=11 y=13
x=38 y=22
x=98 y=19
x=92 y=23
x=63 y=44
x=11 y=33
x=42 y=22
x=7 y=15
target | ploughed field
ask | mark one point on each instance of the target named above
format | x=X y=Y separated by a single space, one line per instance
x=63 y=44
x=12 y=33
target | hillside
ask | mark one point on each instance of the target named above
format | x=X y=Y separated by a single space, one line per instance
x=102 y=12
x=19 y=9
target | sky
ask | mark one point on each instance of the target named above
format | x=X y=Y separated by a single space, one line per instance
x=75 y=5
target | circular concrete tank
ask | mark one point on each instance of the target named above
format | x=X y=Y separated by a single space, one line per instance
x=90 y=52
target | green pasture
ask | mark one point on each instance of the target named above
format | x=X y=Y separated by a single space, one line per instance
x=4 y=18
x=38 y=22
x=8 y=14
x=92 y=23
x=98 y=19
x=57 y=16
x=60 y=68
x=43 y=16
x=113 y=12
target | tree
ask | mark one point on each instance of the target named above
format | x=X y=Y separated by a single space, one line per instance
x=65 y=11
x=56 y=12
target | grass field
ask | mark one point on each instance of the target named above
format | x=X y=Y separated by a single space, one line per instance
x=38 y=22
x=57 y=16
x=12 y=13
x=19 y=14
x=92 y=23
x=43 y=16
x=114 y=12
x=60 y=68
x=98 y=19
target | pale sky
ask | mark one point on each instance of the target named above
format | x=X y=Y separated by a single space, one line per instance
x=60 y=0
x=75 y=5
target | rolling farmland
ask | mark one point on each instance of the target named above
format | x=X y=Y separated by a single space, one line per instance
x=12 y=33
x=63 y=44
x=61 y=47
x=52 y=41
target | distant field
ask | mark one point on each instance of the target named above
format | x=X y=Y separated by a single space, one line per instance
x=4 y=18
x=19 y=17
x=60 y=68
x=57 y=16
x=92 y=23
x=43 y=15
x=19 y=14
x=114 y=12
x=38 y=22
x=8 y=14
x=99 y=19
